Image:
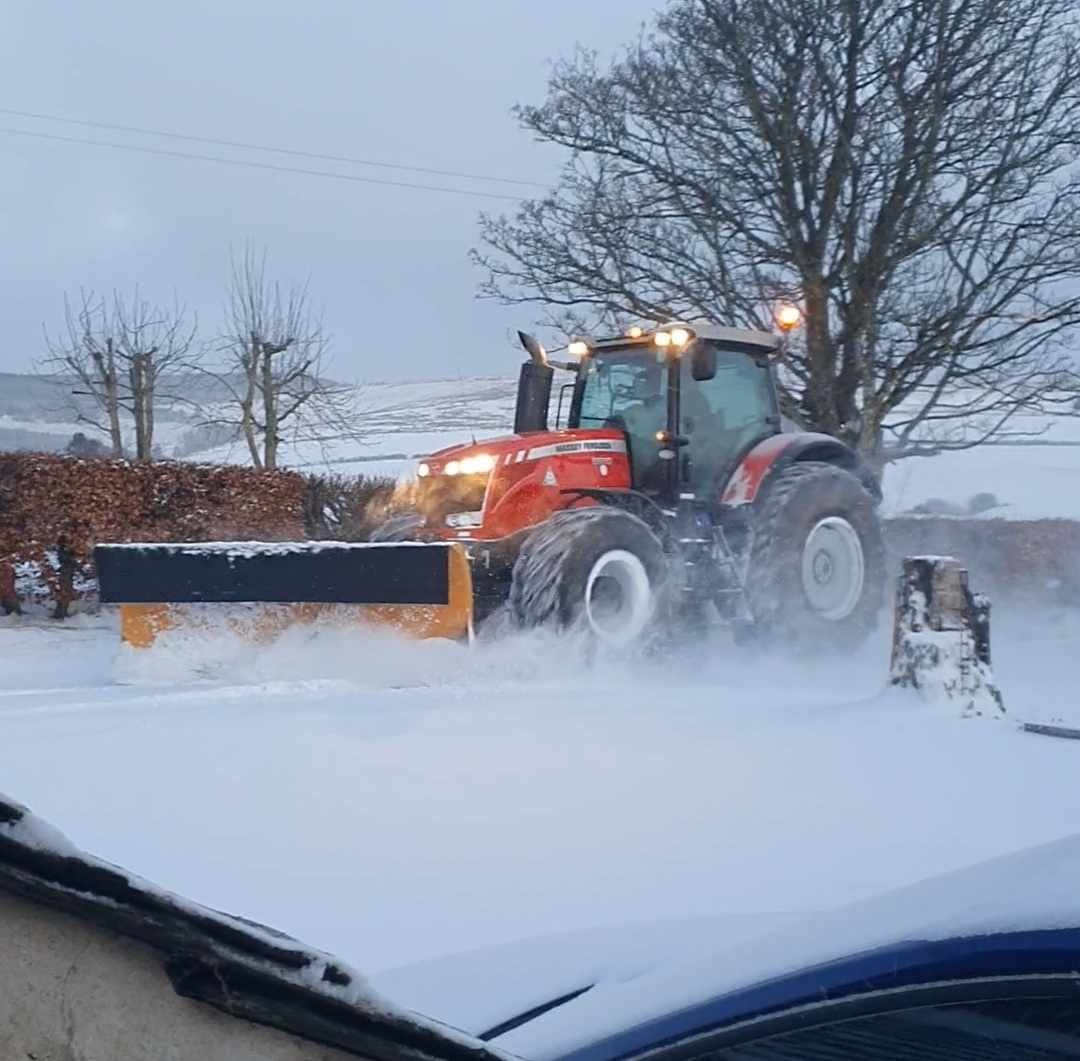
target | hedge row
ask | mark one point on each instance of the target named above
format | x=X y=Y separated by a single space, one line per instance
x=1010 y=558
x=348 y=508
x=55 y=509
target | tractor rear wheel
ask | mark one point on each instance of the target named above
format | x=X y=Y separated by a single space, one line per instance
x=598 y=570
x=816 y=573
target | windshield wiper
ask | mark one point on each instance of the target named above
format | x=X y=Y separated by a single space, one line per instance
x=532 y=1014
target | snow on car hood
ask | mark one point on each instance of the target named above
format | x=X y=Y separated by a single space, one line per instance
x=46 y=864
x=642 y=976
x=478 y=990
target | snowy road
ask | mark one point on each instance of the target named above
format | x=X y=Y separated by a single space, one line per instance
x=395 y=802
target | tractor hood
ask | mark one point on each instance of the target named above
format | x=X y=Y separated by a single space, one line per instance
x=535 y=445
x=496 y=488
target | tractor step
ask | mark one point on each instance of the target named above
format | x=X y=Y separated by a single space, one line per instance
x=725 y=559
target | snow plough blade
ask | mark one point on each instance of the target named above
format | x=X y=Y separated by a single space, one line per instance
x=260 y=588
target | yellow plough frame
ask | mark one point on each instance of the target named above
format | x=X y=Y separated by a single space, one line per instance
x=421 y=590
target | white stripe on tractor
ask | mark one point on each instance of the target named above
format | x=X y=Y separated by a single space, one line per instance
x=557 y=449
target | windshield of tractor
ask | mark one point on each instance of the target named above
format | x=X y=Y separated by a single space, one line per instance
x=627 y=388
x=620 y=383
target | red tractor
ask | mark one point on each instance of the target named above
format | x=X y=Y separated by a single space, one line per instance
x=667 y=488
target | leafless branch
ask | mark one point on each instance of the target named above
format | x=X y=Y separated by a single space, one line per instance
x=907 y=171
x=117 y=352
x=276 y=351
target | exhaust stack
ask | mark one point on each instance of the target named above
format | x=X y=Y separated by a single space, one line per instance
x=534 y=388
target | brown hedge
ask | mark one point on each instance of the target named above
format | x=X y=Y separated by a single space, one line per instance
x=349 y=507
x=1024 y=558
x=55 y=509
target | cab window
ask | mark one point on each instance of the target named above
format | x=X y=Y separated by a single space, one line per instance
x=627 y=389
x=725 y=415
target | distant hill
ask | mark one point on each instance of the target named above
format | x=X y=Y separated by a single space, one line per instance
x=400 y=419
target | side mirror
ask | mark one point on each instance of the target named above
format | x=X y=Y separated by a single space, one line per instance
x=702 y=361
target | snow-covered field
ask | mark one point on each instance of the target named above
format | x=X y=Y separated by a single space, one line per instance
x=394 y=802
x=398 y=423
x=1037 y=481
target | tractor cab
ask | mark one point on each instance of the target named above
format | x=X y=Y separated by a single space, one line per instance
x=691 y=402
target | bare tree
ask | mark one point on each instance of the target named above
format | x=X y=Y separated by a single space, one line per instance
x=905 y=169
x=85 y=355
x=276 y=349
x=154 y=342
x=117 y=352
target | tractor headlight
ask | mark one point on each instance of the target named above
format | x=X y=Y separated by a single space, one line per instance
x=679 y=337
x=479 y=464
x=423 y=469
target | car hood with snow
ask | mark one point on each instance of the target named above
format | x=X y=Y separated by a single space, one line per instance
x=233 y=965
x=619 y=993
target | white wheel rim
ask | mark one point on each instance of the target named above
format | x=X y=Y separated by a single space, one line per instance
x=618 y=598
x=833 y=568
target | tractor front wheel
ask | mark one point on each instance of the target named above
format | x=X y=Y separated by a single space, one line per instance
x=598 y=570
x=816 y=574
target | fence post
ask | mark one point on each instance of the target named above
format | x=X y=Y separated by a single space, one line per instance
x=941 y=640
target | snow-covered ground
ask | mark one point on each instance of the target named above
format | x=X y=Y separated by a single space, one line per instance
x=392 y=802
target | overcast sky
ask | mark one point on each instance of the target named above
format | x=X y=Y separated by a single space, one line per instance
x=425 y=83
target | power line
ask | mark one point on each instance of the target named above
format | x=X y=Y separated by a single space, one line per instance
x=348 y=159
x=251 y=164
